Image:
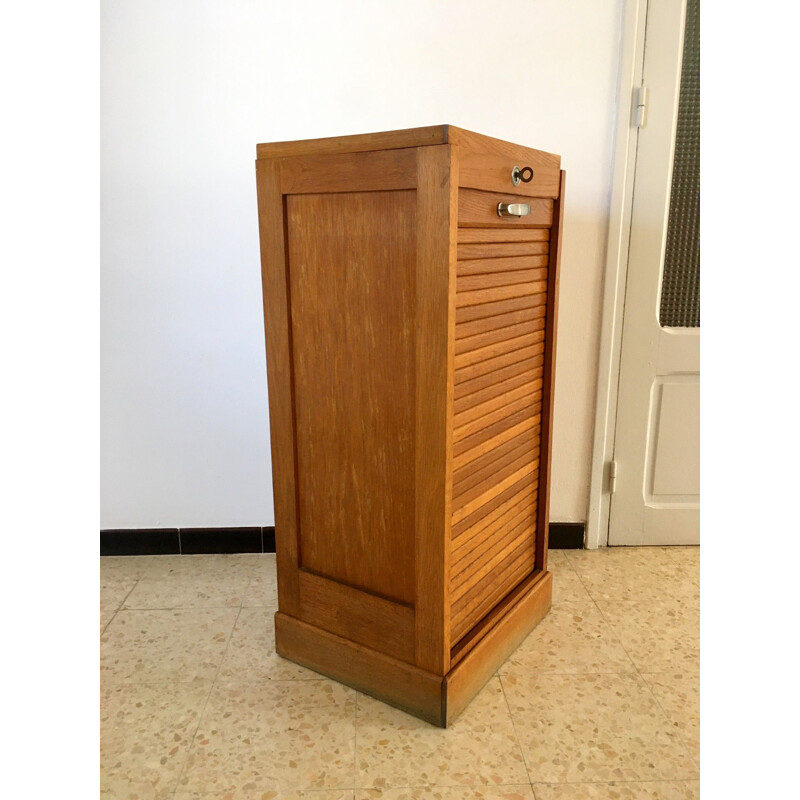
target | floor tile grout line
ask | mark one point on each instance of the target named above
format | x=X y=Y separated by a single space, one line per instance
x=615 y=635
x=247 y=589
x=548 y=673
x=105 y=627
x=205 y=704
x=619 y=674
x=612 y=628
x=119 y=607
x=514 y=728
x=678 y=732
x=618 y=780
x=609 y=625
x=639 y=672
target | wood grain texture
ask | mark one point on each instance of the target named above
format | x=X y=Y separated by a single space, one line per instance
x=467 y=283
x=506 y=465
x=497 y=487
x=500 y=309
x=517 y=312
x=501 y=249
x=548 y=389
x=481 y=469
x=483 y=235
x=483 y=562
x=470 y=608
x=488 y=336
x=491 y=643
x=278 y=335
x=522 y=422
x=494 y=294
x=477 y=523
x=528 y=343
x=507 y=405
x=402 y=685
x=353 y=299
x=434 y=320
x=361 y=617
x=532 y=347
x=486 y=163
x=358 y=143
x=525 y=410
x=481 y=266
x=470 y=548
x=497 y=378
x=352 y=172
x=479 y=210
x=471 y=400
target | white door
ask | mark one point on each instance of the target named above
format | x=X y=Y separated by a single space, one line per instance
x=656 y=488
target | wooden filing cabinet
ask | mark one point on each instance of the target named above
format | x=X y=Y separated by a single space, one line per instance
x=410 y=332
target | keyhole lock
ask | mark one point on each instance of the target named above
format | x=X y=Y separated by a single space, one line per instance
x=524 y=175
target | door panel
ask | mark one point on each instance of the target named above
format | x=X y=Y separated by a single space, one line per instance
x=674 y=462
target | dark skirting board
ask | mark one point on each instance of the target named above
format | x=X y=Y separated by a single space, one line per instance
x=254 y=539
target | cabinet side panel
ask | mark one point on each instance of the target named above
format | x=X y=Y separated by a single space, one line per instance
x=435 y=319
x=352 y=298
x=279 y=378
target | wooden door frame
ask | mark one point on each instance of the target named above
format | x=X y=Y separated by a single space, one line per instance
x=632 y=53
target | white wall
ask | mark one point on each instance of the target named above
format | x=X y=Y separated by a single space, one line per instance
x=188 y=89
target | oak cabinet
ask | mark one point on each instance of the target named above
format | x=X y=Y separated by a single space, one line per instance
x=410 y=285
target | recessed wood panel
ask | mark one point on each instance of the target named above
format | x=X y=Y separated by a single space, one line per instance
x=351 y=266
x=364 y=618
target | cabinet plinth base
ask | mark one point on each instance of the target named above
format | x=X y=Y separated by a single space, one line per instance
x=435 y=698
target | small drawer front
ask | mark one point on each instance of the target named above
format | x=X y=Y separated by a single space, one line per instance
x=540 y=172
x=479 y=209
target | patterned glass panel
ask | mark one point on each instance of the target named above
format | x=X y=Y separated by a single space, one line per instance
x=680 y=288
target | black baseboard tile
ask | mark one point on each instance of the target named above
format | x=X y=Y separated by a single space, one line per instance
x=187 y=541
x=567 y=535
x=140 y=542
x=197 y=541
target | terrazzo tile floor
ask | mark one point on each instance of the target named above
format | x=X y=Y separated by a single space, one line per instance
x=601 y=701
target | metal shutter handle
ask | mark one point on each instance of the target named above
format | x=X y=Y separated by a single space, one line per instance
x=513 y=209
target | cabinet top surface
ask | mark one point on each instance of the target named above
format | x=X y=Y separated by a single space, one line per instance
x=386 y=140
